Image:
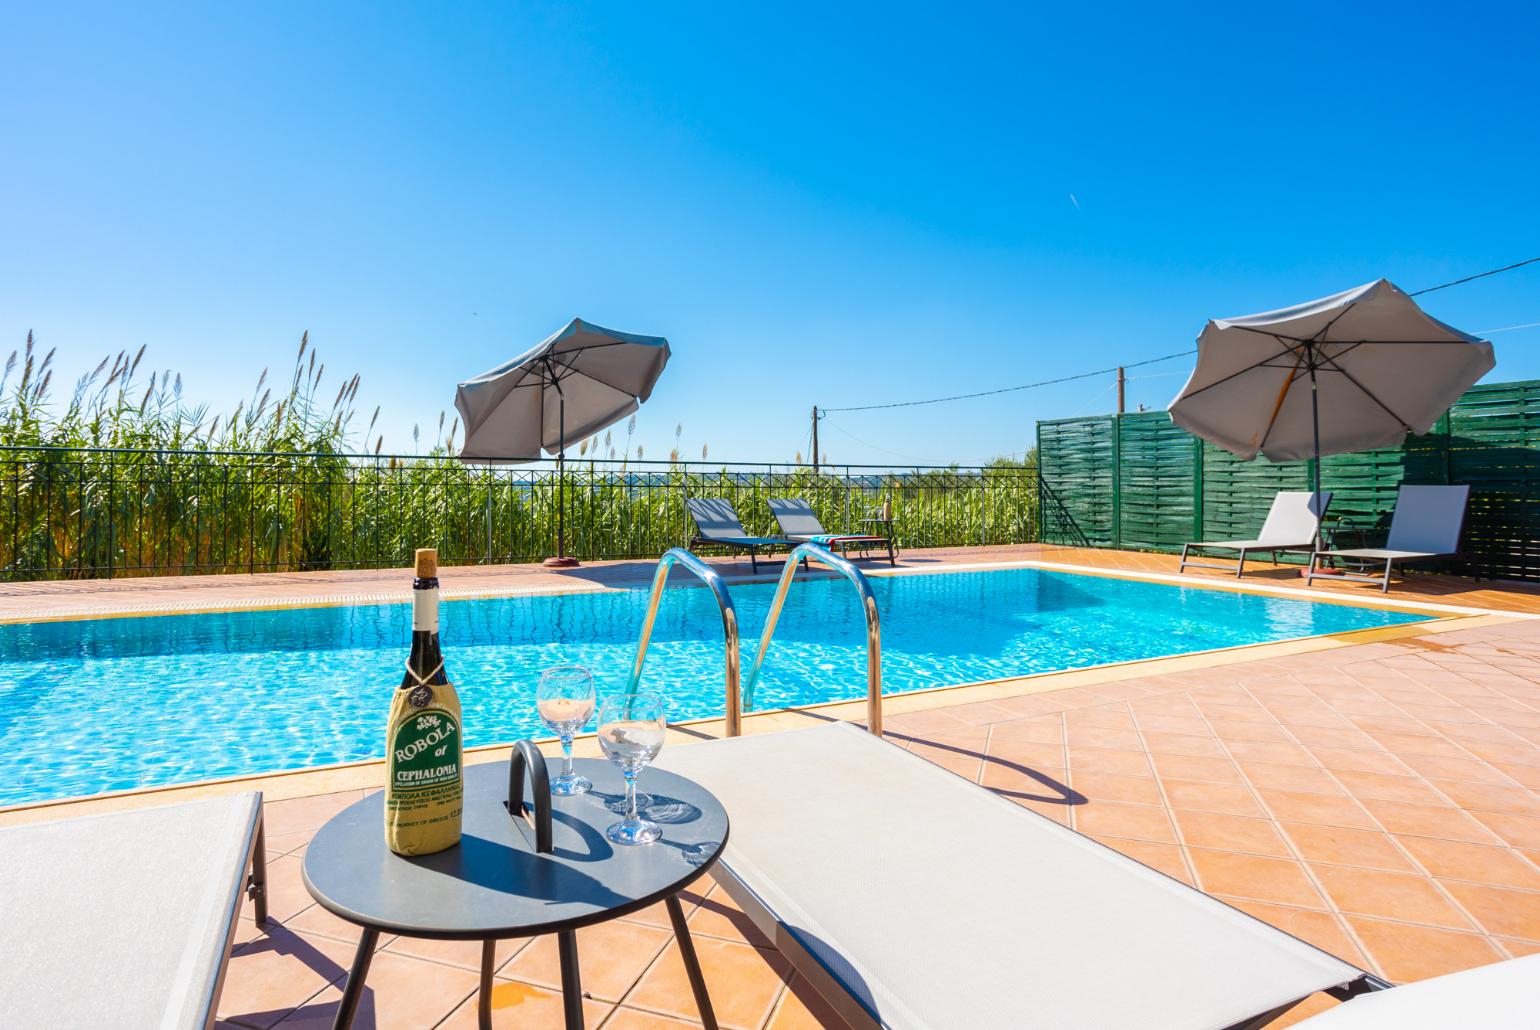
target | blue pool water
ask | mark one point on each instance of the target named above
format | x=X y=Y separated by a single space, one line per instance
x=112 y=704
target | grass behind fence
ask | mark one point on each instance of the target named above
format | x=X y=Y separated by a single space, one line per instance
x=109 y=513
x=126 y=479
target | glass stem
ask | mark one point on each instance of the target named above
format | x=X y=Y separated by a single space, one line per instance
x=631 y=795
x=566 y=757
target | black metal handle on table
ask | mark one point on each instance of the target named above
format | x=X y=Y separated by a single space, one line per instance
x=527 y=756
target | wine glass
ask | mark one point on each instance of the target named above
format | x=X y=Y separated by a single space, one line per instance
x=565 y=699
x=631 y=734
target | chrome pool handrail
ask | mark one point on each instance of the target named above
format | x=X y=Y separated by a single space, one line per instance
x=733 y=706
x=868 y=606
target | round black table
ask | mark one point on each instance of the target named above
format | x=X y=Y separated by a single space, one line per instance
x=494 y=885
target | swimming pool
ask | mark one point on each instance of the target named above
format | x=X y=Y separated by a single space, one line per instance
x=113 y=704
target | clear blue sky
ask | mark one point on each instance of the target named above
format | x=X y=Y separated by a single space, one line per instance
x=816 y=205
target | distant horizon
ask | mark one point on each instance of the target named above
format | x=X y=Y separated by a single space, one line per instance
x=862 y=206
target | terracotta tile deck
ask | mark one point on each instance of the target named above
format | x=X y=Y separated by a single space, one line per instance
x=1381 y=800
x=1407 y=846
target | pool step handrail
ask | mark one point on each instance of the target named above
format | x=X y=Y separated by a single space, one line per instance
x=732 y=711
x=824 y=556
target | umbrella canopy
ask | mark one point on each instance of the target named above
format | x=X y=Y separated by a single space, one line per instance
x=574 y=383
x=1349 y=372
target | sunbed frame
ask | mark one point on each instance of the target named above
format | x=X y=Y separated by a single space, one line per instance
x=1426 y=524
x=1292 y=524
x=718 y=525
x=798 y=522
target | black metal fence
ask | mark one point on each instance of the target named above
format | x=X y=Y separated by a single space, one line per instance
x=73 y=512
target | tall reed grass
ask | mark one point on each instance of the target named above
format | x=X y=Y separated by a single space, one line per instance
x=126 y=478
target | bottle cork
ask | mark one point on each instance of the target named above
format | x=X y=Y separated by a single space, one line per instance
x=427 y=563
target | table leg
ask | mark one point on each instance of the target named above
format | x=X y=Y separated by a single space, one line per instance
x=356 y=976
x=571 y=984
x=691 y=963
x=484 y=997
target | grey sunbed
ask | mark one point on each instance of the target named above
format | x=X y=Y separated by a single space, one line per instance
x=1426 y=524
x=1291 y=525
x=798 y=522
x=717 y=523
x=126 y=919
x=909 y=898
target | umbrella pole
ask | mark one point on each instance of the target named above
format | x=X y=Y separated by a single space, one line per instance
x=1315 y=425
x=561 y=561
x=1315 y=469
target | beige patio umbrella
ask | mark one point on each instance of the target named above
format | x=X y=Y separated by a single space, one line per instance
x=1350 y=372
x=571 y=385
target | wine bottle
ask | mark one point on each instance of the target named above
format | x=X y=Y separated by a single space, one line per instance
x=424 y=784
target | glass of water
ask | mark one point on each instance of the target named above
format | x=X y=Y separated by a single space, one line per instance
x=565 y=699
x=631 y=734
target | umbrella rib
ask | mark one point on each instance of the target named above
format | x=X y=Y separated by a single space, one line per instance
x=572 y=369
x=1370 y=394
x=1283 y=392
x=1260 y=364
x=604 y=382
x=1320 y=336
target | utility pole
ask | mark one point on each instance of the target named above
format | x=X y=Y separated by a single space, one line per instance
x=815 y=438
x=1121 y=380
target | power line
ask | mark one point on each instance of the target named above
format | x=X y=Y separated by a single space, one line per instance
x=1012 y=389
x=1150 y=361
x=884 y=450
x=1478 y=275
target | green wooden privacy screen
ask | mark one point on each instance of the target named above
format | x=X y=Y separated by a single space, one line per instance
x=1139 y=482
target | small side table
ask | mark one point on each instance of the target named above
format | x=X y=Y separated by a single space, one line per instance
x=495 y=885
x=884 y=532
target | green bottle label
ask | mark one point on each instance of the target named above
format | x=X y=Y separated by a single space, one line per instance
x=426 y=752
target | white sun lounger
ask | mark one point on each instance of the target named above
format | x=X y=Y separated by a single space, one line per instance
x=126 y=919
x=911 y=898
x=1426 y=524
x=1500 y=996
x=1291 y=525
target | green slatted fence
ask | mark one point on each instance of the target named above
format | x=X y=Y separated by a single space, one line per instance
x=1077 y=499
x=1137 y=481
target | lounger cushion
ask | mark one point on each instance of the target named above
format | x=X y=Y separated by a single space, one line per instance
x=939 y=904
x=1500 y=996
x=123 y=919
